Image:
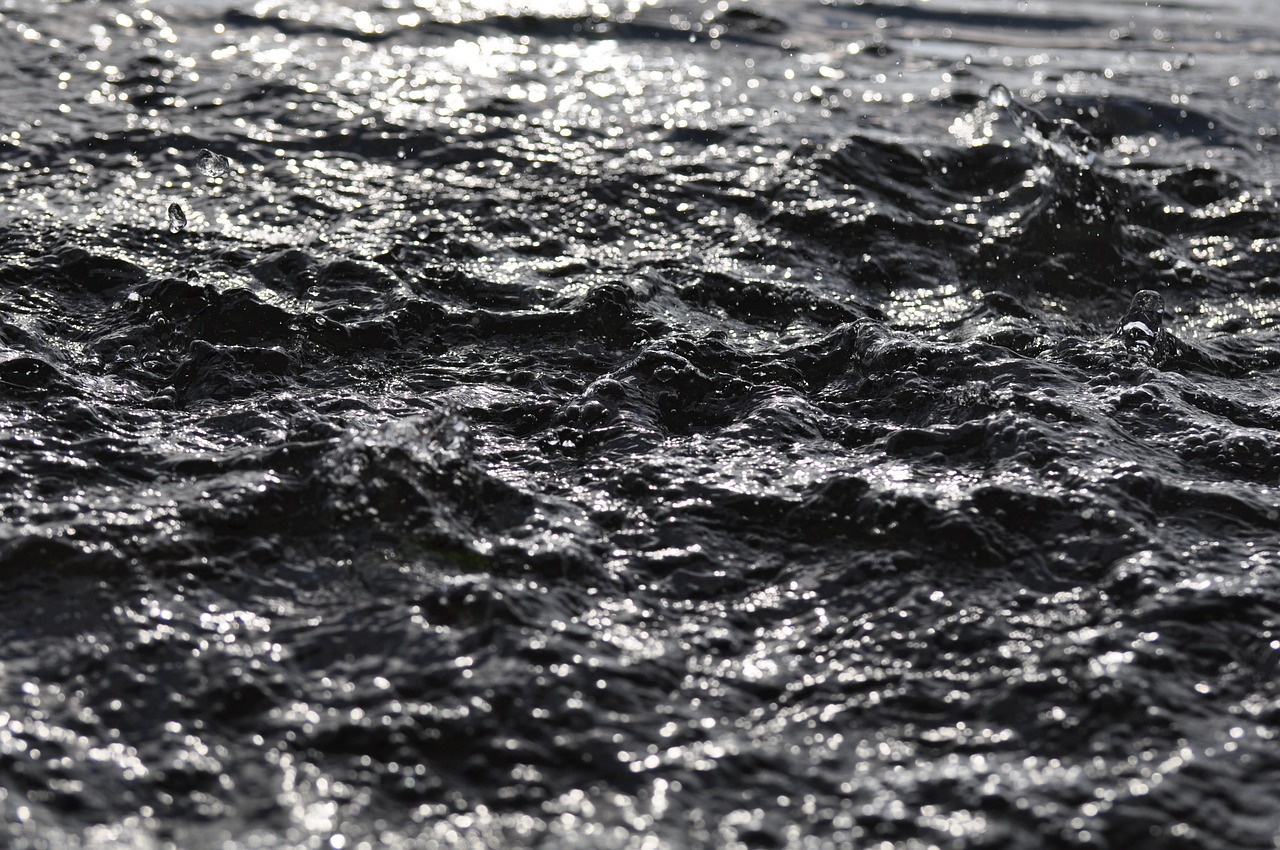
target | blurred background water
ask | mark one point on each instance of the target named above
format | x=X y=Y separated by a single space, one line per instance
x=638 y=424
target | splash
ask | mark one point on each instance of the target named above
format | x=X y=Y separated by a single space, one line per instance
x=1064 y=138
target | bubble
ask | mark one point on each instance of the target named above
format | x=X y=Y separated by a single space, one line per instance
x=1000 y=96
x=177 y=218
x=212 y=164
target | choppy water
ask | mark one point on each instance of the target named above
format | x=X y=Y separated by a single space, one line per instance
x=614 y=425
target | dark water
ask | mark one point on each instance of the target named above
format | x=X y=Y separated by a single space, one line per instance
x=609 y=425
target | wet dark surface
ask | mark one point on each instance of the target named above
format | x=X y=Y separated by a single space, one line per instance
x=688 y=425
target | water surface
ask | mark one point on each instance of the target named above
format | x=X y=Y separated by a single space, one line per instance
x=632 y=425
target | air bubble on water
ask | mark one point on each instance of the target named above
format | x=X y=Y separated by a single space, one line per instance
x=177 y=218
x=212 y=164
x=1000 y=96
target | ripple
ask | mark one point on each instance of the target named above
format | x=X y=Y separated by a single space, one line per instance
x=626 y=424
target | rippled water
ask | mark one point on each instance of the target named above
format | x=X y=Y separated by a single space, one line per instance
x=571 y=424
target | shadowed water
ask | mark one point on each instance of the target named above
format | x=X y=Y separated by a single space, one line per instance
x=639 y=425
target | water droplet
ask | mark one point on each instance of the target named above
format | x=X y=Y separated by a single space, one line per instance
x=177 y=218
x=212 y=164
x=1000 y=96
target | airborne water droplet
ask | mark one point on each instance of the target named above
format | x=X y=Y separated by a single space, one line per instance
x=212 y=164
x=177 y=218
x=1000 y=96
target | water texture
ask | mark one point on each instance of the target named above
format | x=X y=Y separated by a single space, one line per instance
x=624 y=425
